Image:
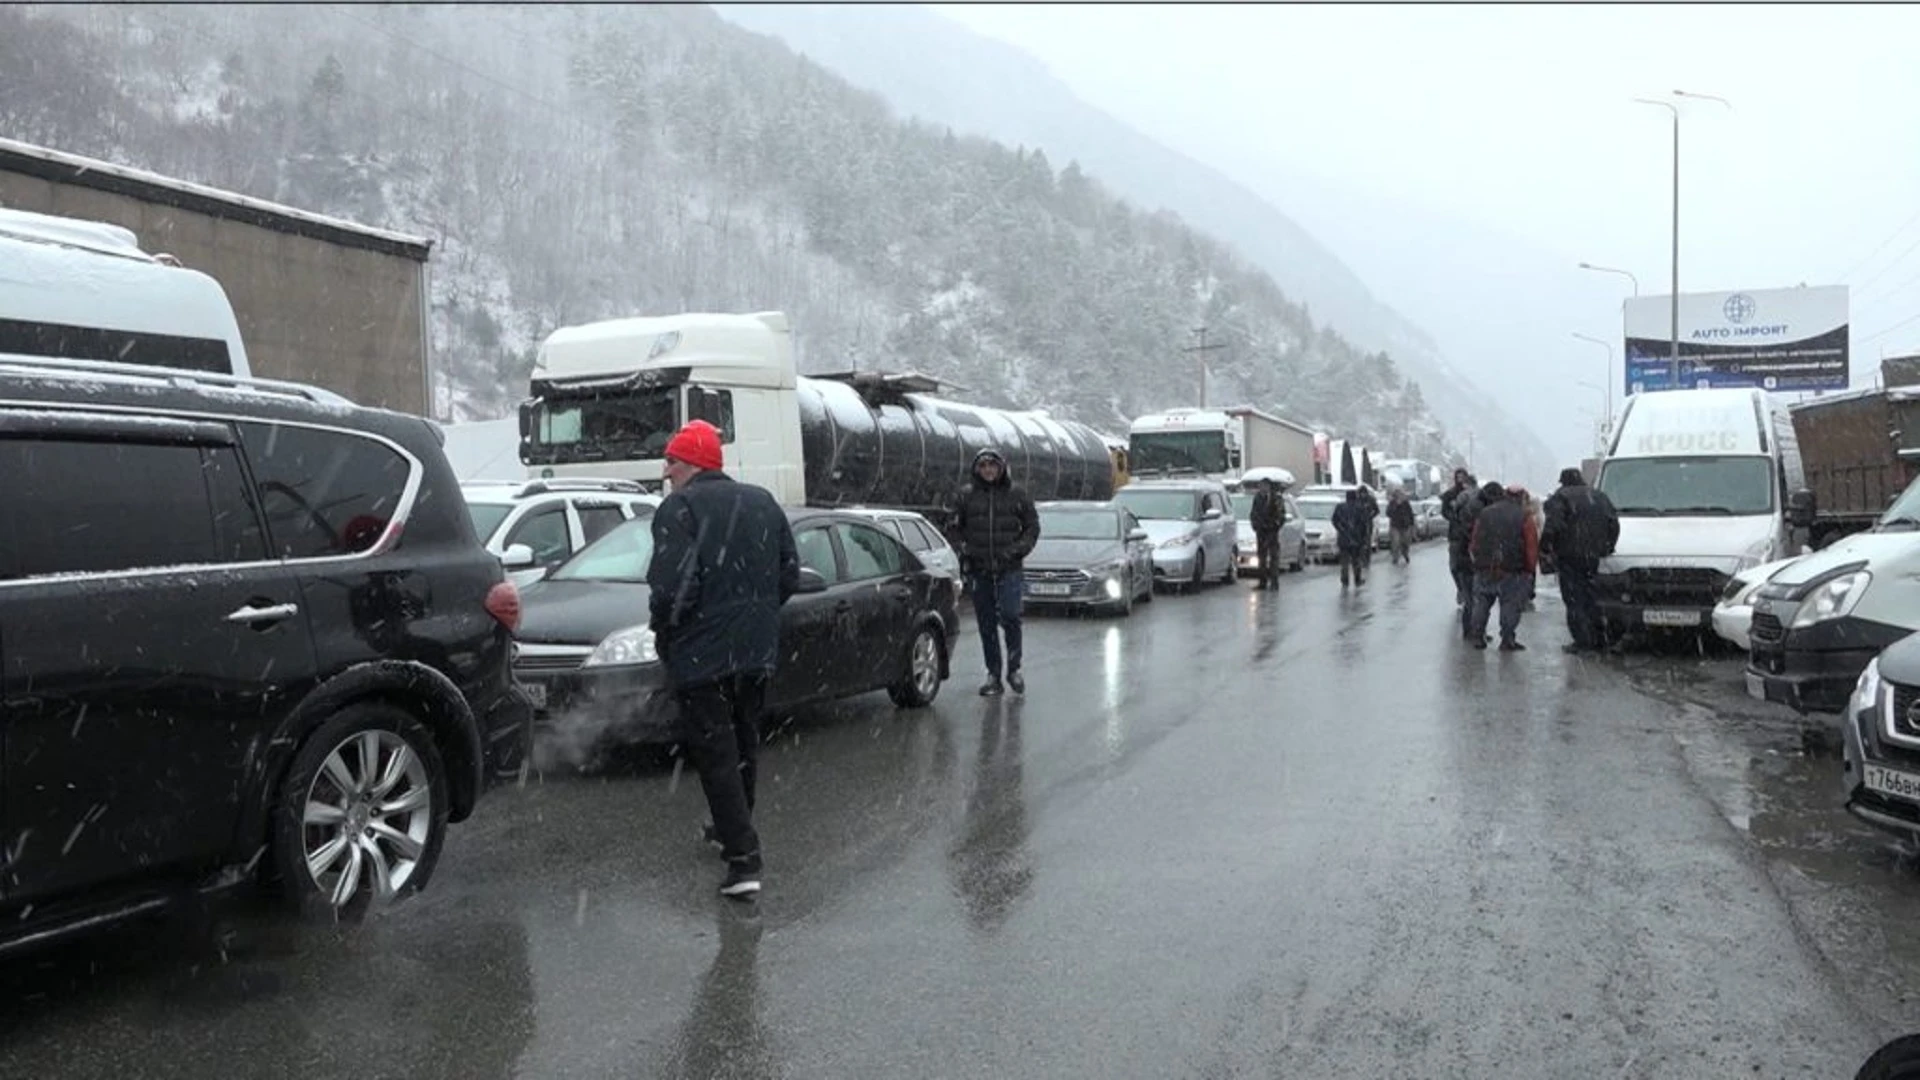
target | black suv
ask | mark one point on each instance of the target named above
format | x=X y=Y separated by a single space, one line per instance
x=246 y=631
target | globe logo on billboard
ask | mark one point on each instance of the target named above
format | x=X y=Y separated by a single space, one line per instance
x=1739 y=308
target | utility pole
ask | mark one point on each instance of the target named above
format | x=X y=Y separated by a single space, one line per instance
x=1469 y=451
x=1200 y=351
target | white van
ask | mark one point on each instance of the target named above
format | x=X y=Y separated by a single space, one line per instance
x=83 y=290
x=1701 y=479
x=1819 y=620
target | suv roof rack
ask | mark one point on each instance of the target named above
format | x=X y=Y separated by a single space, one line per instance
x=588 y=483
x=178 y=377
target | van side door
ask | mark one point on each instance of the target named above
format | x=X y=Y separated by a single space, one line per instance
x=151 y=645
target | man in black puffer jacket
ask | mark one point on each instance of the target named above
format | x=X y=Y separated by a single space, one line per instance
x=1459 y=505
x=994 y=526
x=1582 y=528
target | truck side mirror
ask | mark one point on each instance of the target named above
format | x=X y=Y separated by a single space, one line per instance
x=1801 y=509
x=526 y=420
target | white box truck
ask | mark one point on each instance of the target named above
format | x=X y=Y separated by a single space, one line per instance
x=1218 y=443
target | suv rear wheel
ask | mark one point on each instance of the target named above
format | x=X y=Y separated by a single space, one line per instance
x=361 y=814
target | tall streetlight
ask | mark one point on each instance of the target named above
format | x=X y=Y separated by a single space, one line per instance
x=1674 y=341
x=1628 y=274
x=1608 y=381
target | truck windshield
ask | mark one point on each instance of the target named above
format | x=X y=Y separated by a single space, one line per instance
x=1166 y=451
x=1149 y=505
x=1689 y=486
x=633 y=426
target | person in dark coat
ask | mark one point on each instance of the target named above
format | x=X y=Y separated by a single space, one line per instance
x=1582 y=528
x=1505 y=549
x=1369 y=505
x=1268 y=515
x=994 y=526
x=1401 y=523
x=723 y=563
x=1458 y=506
x=1353 y=535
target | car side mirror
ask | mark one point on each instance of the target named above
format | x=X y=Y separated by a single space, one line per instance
x=1137 y=535
x=1801 y=509
x=517 y=557
x=811 y=581
x=1212 y=514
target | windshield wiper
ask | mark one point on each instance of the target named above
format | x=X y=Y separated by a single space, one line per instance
x=1903 y=521
x=1676 y=511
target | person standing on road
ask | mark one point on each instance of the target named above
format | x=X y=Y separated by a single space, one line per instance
x=1353 y=534
x=1400 y=522
x=1370 y=506
x=1506 y=549
x=1582 y=528
x=994 y=526
x=723 y=562
x=1268 y=515
x=1458 y=506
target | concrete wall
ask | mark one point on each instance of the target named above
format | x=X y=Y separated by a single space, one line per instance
x=346 y=318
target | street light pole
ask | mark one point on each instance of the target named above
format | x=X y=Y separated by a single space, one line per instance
x=1628 y=274
x=1674 y=300
x=1607 y=382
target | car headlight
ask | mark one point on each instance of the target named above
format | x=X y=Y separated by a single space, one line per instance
x=1111 y=569
x=1832 y=599
x=1753 y=557
x=634 y=645
x=1866 y=692
x=1179 y=541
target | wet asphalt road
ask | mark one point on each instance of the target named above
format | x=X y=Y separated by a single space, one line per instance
x=1304 y=834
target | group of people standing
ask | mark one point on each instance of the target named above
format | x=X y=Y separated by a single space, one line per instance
x=1500 y=540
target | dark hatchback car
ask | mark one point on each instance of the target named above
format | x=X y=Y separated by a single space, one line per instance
x=869 y=616
x=246 y=631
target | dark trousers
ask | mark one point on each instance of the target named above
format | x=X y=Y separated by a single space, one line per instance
x=1510 y=590
x=1354 y=562
x=1400 y=538
x=720 y=727
x=1577 y=591
x=1269 y=547
x=996 y=609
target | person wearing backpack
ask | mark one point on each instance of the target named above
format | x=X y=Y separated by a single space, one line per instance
x=1582 y=528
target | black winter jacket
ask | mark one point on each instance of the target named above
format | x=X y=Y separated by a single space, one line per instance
x=1269 y=512
x=993 y=526
x=1581 y=524
x=1400 y=514
x=1353 y=528
x=723 y=563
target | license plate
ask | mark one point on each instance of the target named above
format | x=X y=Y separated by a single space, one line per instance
x=1044 y=589
x=1756 y=687
x=536 y=693
x=1661 y=617
x=1904 y=785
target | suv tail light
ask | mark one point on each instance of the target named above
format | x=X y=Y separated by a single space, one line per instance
x=503 y=603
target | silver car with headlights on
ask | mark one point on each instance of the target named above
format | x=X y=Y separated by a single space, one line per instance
x=1090 y=554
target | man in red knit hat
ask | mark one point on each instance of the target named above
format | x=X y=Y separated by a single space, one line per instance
x=723 y=563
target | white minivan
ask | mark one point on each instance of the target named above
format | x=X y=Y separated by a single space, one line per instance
x=1701 y=480
x=84 y=291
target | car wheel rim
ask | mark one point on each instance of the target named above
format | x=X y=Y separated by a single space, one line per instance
x=367 y=817
x=926 y=664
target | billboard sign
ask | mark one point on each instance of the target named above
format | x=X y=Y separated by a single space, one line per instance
x=1775 y=339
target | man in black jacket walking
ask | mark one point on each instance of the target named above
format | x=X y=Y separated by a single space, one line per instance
x=1267 y=516
x=994 y=526
x=1458 y=506
x=1582 y=528
x=723 y=563
x=1353 y=536
x=1504 y=549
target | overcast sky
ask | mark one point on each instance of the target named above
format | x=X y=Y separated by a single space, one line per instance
x=1519 y=120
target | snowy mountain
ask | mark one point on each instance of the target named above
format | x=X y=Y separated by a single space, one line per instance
x=931 y=67
x=582 y=163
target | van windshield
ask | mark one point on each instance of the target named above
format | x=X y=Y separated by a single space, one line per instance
x=1688 y=486
x=1150 y=505
x=1172 y=451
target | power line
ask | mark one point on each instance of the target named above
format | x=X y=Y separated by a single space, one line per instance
x=1908 y=321
x=1882 y=246
x=1875 y=276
